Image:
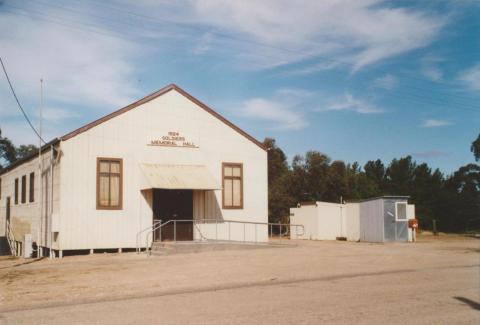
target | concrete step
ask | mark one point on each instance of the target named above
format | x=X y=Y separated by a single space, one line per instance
x=170 y=248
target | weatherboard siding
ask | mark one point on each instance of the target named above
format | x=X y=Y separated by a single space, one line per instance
x=128 y=136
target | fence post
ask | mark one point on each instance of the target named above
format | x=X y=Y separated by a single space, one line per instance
x=160 y=230
x=280 y=230
x=174 y=230
x=244 y=232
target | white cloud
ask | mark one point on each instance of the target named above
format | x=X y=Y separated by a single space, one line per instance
x=204 y=44
x=388 y=82
x=433 y=123
x=350 y=103
x=56 y=115
x=429 y=67
x=77 y=67
x=272 y=33
x=283 y=115
x=471 y=77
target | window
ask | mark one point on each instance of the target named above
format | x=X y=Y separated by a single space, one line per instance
x=16 y=190
x=232 y=175
x=109 y=183
x=401 y=211
x=24 y=188
x=32 y=188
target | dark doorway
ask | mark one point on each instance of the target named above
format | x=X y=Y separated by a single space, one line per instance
x=173 y=205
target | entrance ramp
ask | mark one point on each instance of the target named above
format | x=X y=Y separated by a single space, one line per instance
x=171 y=248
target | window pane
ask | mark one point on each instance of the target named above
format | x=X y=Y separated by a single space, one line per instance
x=32 y=187
x=104 y=167
x=402 y=211
x=115 y=167
x=236 y=171
x=237 y=192
x=227 y=192
x=24 y=188
x=228 y=171
x=114 y=190
x=103 y=190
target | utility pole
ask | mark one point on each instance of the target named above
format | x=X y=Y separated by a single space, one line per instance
x=40 y=166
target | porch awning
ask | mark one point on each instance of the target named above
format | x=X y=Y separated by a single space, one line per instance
x=178 y=177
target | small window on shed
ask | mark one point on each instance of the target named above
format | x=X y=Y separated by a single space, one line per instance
x=401 y=211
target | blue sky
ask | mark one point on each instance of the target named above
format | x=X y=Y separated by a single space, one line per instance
x=356 y=80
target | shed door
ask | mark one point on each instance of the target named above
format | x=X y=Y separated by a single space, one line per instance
x=390 y=229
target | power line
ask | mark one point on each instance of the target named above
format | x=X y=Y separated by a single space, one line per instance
x=18 y=102
x=418 y=97
x=163 y=21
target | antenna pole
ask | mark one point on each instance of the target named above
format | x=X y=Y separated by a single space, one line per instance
x=40 y=166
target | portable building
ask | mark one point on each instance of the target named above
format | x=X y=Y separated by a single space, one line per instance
x=380 y=219
x=165 y=157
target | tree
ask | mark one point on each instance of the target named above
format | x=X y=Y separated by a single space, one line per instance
x=25 y=150
x=399 y=176
x=7 y=151
x=475 y=148
x=375 y=174
x=279 y=200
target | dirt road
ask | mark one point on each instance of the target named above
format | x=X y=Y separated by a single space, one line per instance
x=435 y=281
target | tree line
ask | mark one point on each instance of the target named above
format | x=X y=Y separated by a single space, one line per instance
x=452 y=200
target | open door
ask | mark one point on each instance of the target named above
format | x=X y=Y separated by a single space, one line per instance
x=174 y=205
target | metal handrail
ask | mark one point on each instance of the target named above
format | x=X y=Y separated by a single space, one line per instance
x=12 y=243
x=137 y=241
x=195 y=222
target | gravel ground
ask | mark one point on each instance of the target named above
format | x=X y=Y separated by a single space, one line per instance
x=434 y=281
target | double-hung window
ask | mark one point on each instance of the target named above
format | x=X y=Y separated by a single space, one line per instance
x=232 y=177
x=109 y=183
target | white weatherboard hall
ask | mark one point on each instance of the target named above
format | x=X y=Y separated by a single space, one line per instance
x=165 y=157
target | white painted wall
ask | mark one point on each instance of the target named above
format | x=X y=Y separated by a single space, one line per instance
x=307 y=216
x=322 y=221
x=330 y=221
x=25 y=217
x=410 y=215
x=353 y=221
x=126 y=136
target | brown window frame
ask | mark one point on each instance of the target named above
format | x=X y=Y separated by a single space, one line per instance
x=232 y=207
x=16 y=191
x=31 y=188
x=120 y=198
x=23 y=195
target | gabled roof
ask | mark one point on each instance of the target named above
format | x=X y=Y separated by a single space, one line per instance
x=152 y=97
